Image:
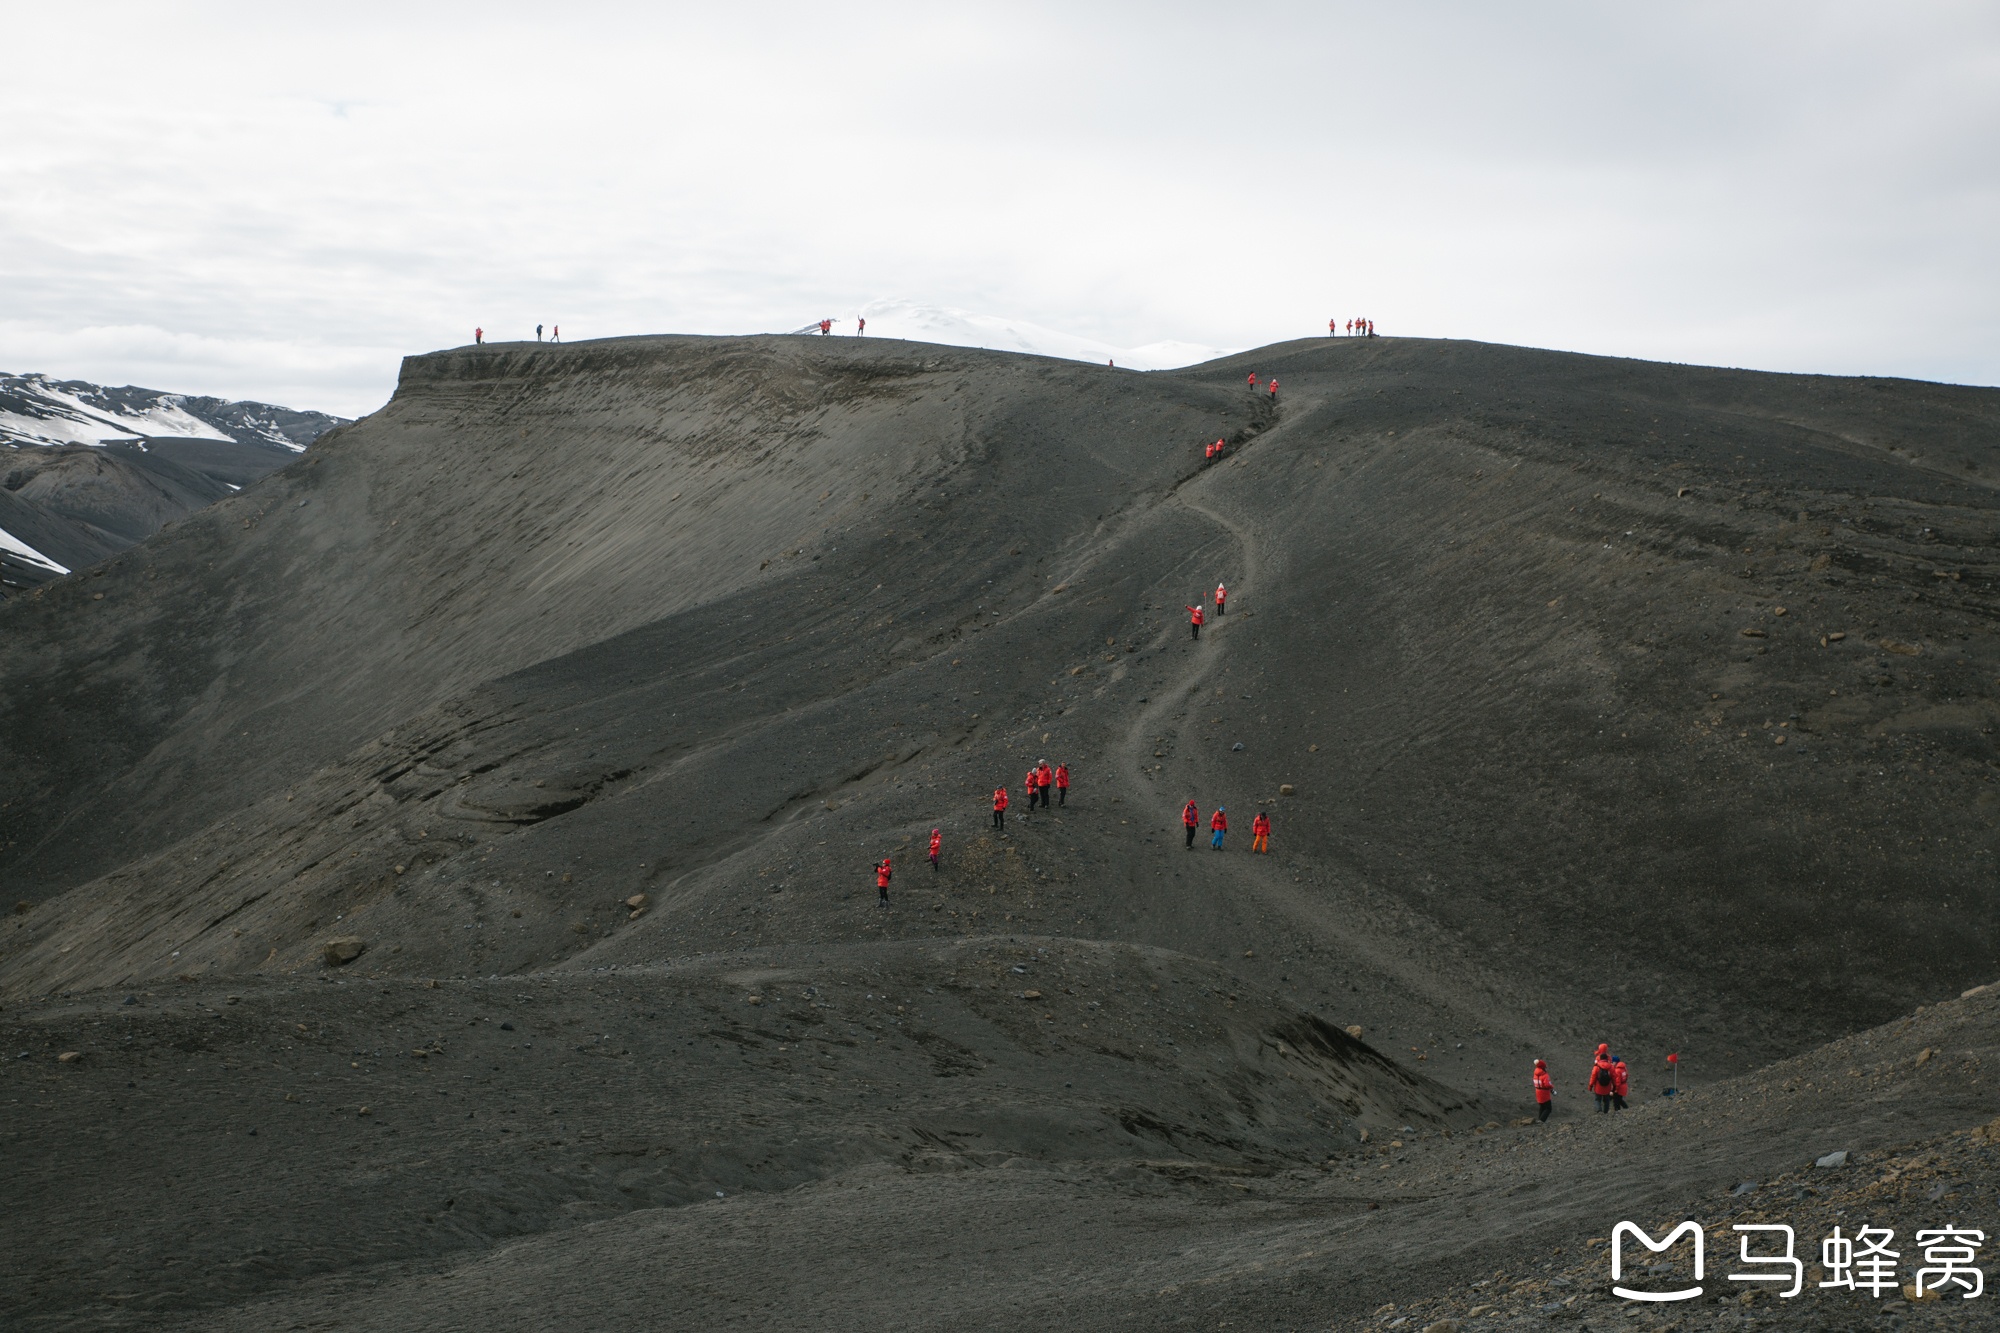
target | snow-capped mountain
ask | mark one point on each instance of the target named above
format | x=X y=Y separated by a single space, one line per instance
x=35 y=409
x=86 y=471
x=897 y=318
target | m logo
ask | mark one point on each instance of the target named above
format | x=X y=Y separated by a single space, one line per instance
x=1618 y=1258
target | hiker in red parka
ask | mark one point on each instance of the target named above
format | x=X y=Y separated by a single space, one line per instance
x=1545 y=1091
x=1260 y=833
x=1000 y=807
x=1252 y=381
x=860 y=327
x=1219 y=821
x=1045 y=778
x=1190 y=817
x=1034 y=791
x=882 y=873
x=1062 y=784
x=1194 y=622
x=825 y=327
x=478 y=336
x=1619 y=1083
x=1332 y=327
x=1274 y=391
x=937 y=844
x=1221 y=598
x=1602 y=1079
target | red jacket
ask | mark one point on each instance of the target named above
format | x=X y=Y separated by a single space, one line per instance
x=1261 y=824
x=999 y=798
x=1190 y=816
x=1218 y=820
x=937 y=841
x=1197 y=614
x=1253 y=379
x=1062 y=775
x=1545 y=1087
x=1618 y=1077
x=1221 y=594
x=1602 y=1079
x=1045 y=775
x=882 y=875
x=1031 y=782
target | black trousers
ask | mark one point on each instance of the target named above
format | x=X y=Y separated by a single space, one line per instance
x=1542 y=1112
x=1219 y=606
x=1196 y=628
x=1617 y=1102
x=999 y=819
x=1603 y=1103
x=1190 y=831
x=1062 y=795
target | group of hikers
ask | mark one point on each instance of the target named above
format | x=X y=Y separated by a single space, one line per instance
x=1609 y=1080
x=555 y=335
x=1356 y=328
x=1273 y=385
x=860 y=327
x=1218 y=824
x=1040 y=778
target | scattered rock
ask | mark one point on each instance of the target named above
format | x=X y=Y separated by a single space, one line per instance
x=506 y=1027
x=70 y=1057
x=1833 y=1159
x=1777 y=740
x=131 y=999
x=1442 y=1326
x=364 y=1111
x=232 y=999
x=1479 y=1310
x=1904 y=649
x=1354 y=1031
x=753 y=999
x=1285 y=789
x=1836 y=636
x=399 y=870
x=1684 y=492
x=1978 y=990
x=345 y=949
x=1249 y=953
x=1917 y=1292
x=639 y=900
x=1313 y=748
x=1523 y=1122
x=1752 y=633
x=1923 y=1057
x=1237 y=746
x=1031 y=995
x=1747 y=1187
x=1777 y=610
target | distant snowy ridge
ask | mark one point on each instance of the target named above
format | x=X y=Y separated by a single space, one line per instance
x=896 y=318
x=12 y=545
x=35 y=409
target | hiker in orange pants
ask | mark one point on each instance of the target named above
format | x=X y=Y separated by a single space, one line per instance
x=1260 y=833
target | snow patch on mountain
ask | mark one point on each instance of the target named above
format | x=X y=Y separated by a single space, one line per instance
x=35 y=409
x=918 y=322
x=15 y=546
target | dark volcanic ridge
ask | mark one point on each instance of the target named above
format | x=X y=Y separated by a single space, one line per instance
x=1590 y=700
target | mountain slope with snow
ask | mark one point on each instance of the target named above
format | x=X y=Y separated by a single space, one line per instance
x=86 y=470
x=35 y=409
x=917 y=322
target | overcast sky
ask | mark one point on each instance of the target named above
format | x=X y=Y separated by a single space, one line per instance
x=279 y=201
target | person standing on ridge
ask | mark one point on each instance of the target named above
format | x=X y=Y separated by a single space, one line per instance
x=1062 y=784
x=478 y=337
x=538 y=333
x=1192 y=818
x=1601 y=1079
x=1000 y=808
x=860 y=327
x=1545 y=1092
x=1350 y=328
x=1619 y=1083
x=1219 y=822
x=1194 y=623
x=1208 y=454
x=1221 y=598
x=555 y=333
x=1260 y=833
x=937 y=845
x=1371 y=328
x=882 y=873
x=1332 y=327
x=825 y=327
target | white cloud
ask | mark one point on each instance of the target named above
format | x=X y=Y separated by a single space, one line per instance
x=300 y=192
